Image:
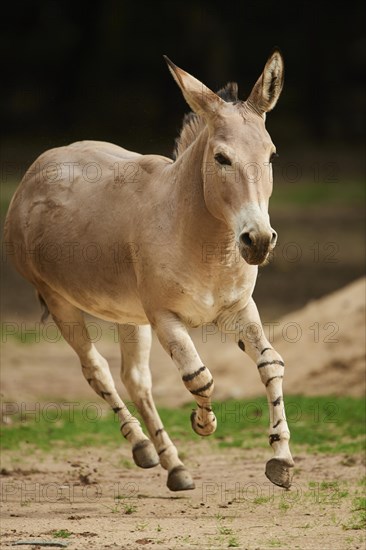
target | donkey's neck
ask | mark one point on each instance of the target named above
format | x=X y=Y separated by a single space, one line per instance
x=194 y=224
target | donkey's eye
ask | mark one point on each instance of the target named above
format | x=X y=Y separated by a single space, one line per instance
x=221 y=159
x=274 y=156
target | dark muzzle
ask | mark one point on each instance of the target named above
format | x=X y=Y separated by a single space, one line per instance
x=255 y=247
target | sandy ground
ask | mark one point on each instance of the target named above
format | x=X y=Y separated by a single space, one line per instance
x=323 y=346
x=233 y=504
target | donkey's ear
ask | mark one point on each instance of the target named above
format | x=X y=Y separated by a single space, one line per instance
x=269 y=85
x=201 y=99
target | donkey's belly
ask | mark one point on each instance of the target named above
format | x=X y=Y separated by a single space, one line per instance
x=126 y=309
x=103 y=288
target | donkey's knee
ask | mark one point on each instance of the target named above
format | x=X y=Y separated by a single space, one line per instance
x=137 y=380
x=96 y=372
x=199 y=382
x=197 y=378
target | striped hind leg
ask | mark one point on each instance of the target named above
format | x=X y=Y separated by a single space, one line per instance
x=175 y=339
x=135 y=373
x=70 y=321
x=271 y=368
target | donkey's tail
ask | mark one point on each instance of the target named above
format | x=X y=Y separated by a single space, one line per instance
x=45 y=310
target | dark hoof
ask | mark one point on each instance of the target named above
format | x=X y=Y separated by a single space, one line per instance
x=145 y=455
x=279 y=472
x=179 y=479
x=207 y=429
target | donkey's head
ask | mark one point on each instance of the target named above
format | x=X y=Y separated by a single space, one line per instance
x=236 y=169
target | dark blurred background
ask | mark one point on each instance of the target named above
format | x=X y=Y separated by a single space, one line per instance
x=75 y=70
x=94 y=70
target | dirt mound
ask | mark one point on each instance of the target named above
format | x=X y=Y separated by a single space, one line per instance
x=329 y=358
x=323 y=346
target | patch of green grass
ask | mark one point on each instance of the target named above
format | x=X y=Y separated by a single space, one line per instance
x=126 y=464
x=58 y=425
x=129 y=509
x=327 y=492
x=362 y=481
x=225 y=530
x=359 y=503
x=358 y=519
x=317 y=424
x=62 y=534
x=120 y=506
x=141 y=526
x=357 y=522
x=262 y=500
x=329 y=485
x=284 y=506
x=274 y=543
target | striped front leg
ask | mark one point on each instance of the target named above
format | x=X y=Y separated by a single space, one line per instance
x=271 y=369
x=197 y=378
x=252 y=340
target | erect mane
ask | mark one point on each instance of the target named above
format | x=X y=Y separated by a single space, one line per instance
x=194 y=124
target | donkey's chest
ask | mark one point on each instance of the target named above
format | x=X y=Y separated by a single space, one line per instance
x=206 y=301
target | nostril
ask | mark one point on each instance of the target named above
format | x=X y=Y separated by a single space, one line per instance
x=274 y=237
x=245 y=239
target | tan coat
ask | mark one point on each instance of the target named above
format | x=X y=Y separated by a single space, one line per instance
x=141 y=239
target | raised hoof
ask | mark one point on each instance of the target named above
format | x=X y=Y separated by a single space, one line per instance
x=179 y=479
x=145 y=455
x=207 y=429
x=279 y=472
